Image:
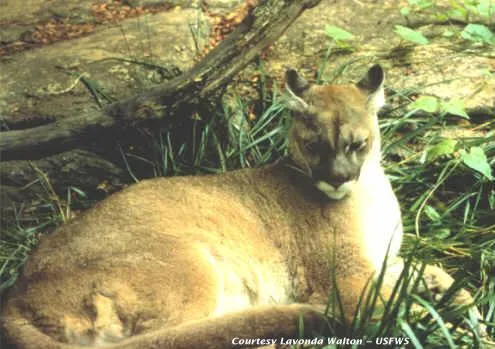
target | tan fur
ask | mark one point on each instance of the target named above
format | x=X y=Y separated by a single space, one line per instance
x=191 y=262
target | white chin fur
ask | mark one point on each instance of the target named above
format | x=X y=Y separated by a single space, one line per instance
x=335 y=194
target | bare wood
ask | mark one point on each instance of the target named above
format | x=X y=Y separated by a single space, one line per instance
x=261 y=28
x=37 y=142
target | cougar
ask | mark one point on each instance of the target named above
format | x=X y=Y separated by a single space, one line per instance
x=215 y=261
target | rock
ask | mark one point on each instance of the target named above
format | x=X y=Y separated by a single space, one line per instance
x=166 y=38
x=48 y=82
x=11 y=34
x=448 y=69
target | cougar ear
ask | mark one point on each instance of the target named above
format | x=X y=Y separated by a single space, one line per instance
x=372 y=84
x=296 y=85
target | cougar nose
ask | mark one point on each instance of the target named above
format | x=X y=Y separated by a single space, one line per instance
x=336 y=182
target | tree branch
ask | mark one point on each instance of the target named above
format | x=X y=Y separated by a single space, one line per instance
x=261 y=28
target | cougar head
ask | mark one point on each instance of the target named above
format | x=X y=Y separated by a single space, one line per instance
x=334 y=131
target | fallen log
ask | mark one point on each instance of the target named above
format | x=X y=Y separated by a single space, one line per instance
x=261 y=28
x=27 y=185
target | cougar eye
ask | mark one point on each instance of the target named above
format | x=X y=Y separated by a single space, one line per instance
x=311 y=147
x=355 y=146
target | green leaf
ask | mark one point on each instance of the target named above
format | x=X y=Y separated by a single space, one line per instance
x=432 y=214
x=424 y=4
x=410 y=333
x=410 y=35
x=441 y=16
x=445 y=147
x=421 y=4
x=455 y=107
x=438 y=319
x=442 y=233
x=478 y=33
x=457 y=13
x=338 y=34
x=78 y=192
x=427 y=103
x=405 y=11
x=486 y=8
x=477 y=160
x=448 y=33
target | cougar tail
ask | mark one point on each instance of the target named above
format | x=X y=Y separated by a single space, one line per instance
x=237 y=330
x=249 y=328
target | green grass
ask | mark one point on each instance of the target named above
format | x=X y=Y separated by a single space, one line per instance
x=448 y=206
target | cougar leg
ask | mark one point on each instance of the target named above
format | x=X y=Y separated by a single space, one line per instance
x=436 y=282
